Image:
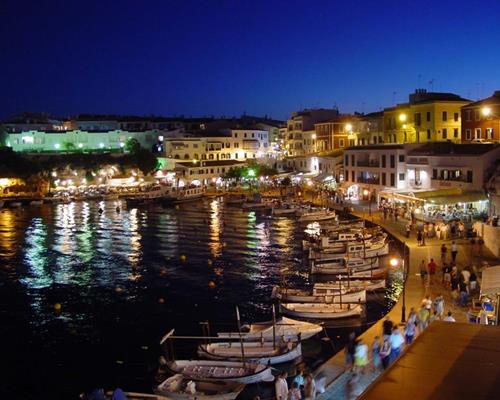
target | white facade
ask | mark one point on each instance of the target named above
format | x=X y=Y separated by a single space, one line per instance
x=374 y=168
x=204 y=172
x=235 y=144
x=66 y=140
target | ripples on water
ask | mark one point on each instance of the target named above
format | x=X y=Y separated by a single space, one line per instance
x=109 y=271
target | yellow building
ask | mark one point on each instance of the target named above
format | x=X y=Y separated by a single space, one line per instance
x=427 y=117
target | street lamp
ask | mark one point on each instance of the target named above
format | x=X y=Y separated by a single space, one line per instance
x=394 y=262
x=366 y=192
x=402 y=117
x=486 y=111
x=348 y=127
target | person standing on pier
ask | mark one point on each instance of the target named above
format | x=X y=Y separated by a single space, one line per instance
x=397 y=341
x=385 y=352
x=444 y=250
x=350 y=350
x=309 y=388
x=431 y=267
x=423 y=271
x=411 y=326
x=454 y=252
x=281 y=387
x=387 y=326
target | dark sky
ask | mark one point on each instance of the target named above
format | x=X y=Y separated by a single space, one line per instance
x=228 y=57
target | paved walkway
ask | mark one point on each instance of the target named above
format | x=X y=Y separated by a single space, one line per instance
x=340 y=383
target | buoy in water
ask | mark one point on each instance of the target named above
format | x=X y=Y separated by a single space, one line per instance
x=161 y=300
x=183 y=258
x=211 y=285
x=177 y=206
x=57 y=307
x=210 y=262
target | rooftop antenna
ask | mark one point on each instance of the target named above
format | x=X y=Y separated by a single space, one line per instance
x=419 y=78
x=394 y=97
x=431 y=84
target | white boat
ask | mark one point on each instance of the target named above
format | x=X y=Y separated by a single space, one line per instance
x=328 y=294
x=343 y=265
x=369 y=285
x=337 y=241
x=255 y=352
x=210 y=370
x=358 y=250
x=188 y=194
x=321 y=311
x=286 y=328
x=284 y=210
x=378 y=273
x=154 y=194
x=322 y=215
x=179 y=387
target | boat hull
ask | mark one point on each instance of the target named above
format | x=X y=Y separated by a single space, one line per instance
x=173 y=388
x=207 y=370
x=303 y=296
x=320 y=311
x=231 y=351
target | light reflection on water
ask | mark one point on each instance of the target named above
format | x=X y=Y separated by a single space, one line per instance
x=108 y=271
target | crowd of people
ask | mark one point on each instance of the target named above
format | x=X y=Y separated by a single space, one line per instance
x=303 y=387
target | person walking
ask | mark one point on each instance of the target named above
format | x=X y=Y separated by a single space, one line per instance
x=419 y=237
x=447 y=275
x=473 y=281
x=444 y=250
x=376 y=360
x=387 y=326
x=361 y=357
x=423 y=272
x=408 y=229
x=309 y=387
x=411 y=326
x=423 y=318
x=454 y=252
x=350 y=349
x=385 y=352
x=439 y=305
x=281 y=387
x=397 y=341
x=431 y=268
x=438 y=231
x=295 y=393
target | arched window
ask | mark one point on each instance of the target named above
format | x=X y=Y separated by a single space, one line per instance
x=203 y=156
x=186 y=156
x=176 y=156
x=196 y=157
x=210 y=156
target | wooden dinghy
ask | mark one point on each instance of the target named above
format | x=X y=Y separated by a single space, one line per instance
x=210 y=370
x=286 y=328
x=179 y=387
x=255 y=352
x=329 y=294
x=321 y=311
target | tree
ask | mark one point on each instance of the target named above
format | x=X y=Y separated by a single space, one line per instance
x=132 y=145
x=145 y=161
x=3 y=136
x=69 y=146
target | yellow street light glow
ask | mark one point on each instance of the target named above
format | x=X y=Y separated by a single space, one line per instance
x=404 y=126
x=394 y=262
x=365 y=192
x=195 y=160
x=402 y=117
x=486 y=111
x=314 y=136
x=348 y=127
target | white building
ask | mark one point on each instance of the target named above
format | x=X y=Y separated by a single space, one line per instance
x=203 y=172
x=373 y=168
x=231 y=144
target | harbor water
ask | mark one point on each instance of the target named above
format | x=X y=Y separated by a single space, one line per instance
x=86 y=294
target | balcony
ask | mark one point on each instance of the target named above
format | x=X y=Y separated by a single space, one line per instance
x=417 y=160
x=369 y=163
x=370 y=181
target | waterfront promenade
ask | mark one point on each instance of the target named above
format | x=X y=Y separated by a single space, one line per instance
x=341 y=384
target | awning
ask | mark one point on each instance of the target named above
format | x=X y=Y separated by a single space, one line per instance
x=325 y=177
x=467 y=197
x=490 y=283
x=437 y=193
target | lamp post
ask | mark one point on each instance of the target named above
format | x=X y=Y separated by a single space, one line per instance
x=394 y=262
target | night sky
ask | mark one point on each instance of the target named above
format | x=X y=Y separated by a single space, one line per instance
x=228 y=57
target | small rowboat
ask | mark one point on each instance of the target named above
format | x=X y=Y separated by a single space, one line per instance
x=369 y=286
x=321 y=311
x=287 y=328
x=180 y=388
x=317 y=216
x=329 y=294
x=209 y=370
x=343 y=266
x=256 y=352
x=378 y=273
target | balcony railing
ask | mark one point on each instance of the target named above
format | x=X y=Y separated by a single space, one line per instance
x=370 y=163
x=371 y=181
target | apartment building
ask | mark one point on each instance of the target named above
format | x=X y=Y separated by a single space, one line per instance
x=372 y=168
x=481 y=120
x=226 y=144
x=337 y=133
x=203 y=172
x=300 y=135
x=427 y=117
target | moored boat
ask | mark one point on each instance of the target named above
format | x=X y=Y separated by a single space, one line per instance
x=329 y=294
x=322 y=215
x=210 y=370
x=343 y=265
x=179 y=387
x=368 y=285
x=286 y=328
x=255 y=352
x=321 y=311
